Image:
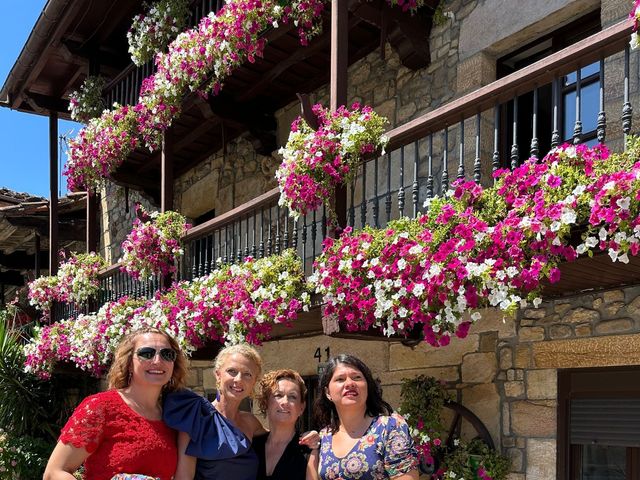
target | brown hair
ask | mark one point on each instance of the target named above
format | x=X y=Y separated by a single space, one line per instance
x=270 y=382
x=119 y=372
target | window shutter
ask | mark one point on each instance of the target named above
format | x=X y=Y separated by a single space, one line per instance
x=605 y=421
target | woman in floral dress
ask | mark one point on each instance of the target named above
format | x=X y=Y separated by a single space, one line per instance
x=363 y=439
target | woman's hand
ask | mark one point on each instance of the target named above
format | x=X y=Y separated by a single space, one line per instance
x=311 y=439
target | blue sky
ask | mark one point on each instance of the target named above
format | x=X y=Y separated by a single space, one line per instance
x=24 y=143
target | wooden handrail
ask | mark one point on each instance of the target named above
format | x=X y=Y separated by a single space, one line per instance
x=110 y=270
x=270 y=197
x=607 y=42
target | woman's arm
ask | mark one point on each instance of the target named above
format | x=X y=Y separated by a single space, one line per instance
x=186 y=463
x=312 y=465
x=64 y=460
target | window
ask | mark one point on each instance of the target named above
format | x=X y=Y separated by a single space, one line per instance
x=566 y=88
x=599 y=424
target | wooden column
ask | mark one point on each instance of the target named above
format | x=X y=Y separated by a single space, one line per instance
x=53 y=187
x=92 y=221
x=166 y=159
x=36 y=265
x=338 y=84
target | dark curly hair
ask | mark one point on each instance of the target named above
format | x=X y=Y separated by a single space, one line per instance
x=324 y=411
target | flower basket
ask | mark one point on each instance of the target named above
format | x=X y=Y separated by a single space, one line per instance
x=315 y=162
x=87 y=103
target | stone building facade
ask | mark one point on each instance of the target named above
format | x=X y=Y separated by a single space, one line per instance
x=506 y=370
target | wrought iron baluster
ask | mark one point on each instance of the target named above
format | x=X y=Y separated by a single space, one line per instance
x=294 y=234
x=239 y=240
x=363 y=205
x=269 y=238
x=445 y=162
x=304 y=243
x=601 y=129
x=627 y=109
x=515 y=155
x=430 y=168
x=461 y=172
x=415 y=186
x=352 y=207
x=254 y=247
x=246 y=238
x=555 y=135
x=314 y=231
x=261 y=249
x=387 y=203
x=227 y=257
x=219 y=255
x=376 y=200
x=577 y=129
x=277 y=246
x=324 y=222
x=477 y=170
x=535 y=149
x=401 y=186
x=285 y=240
x=495 y=161
x=194 y=258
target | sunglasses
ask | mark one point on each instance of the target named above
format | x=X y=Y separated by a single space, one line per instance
x=149 y=353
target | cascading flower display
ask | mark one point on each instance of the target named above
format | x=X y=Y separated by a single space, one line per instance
x=152 y=31
x=316 y=161
x=154 y=244
x=87 y=103
x=235 y=303
x=199 y=59
x=479 y=248
x=75 y=282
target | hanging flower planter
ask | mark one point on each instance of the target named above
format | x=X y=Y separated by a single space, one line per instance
x=152 y=31
x=154 y=244
x=87 y=103
x=315 y=162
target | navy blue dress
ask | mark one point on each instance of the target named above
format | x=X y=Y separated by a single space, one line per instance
x=223 y=451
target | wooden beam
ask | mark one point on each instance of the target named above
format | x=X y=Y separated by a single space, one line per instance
x=53 y=192
x=48 y=103
x=22 y=260
x=69 y=231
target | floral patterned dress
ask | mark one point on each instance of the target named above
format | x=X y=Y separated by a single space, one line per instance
x=384 y=451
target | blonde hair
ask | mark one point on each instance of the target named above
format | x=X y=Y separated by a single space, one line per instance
x=270 y=382
x=243 y=349
x=119 y=375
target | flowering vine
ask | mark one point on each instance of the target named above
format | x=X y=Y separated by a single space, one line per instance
x=152 y=31
x=479 y=248
x=87 y=103
x=235 y=303
x=75 y=282
x=316 y=161
x=153 y=246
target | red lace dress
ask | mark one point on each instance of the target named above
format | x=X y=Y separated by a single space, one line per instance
x=120 y=440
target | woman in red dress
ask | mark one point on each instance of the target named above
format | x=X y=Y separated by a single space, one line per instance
x=121 y=431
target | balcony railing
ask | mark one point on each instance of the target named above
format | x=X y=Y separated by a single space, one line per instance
x=469 y=137
x=125 y=88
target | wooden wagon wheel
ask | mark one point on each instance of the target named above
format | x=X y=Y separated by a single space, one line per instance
x=460 y=414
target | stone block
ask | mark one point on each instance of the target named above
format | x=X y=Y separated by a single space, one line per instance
x=614 y=326
x=541 y=459
x=495 y=320
x=583 y=330
x=531 y=334
x=193 y=379
x=514 y=389
x=613 y=296
x=424 y=355
x=479 y=367
x=299 y=353
x=597 y=303
x=516 y=457
x=506 y=358
x=581 y=315
x=533 y=418
x=484 y=401
x=562 y=308
x=560 y=331
x=634 y=307
x=613 y=308
x=209 y=378
x=588 y=352
x=475 y=72
x=488 y=341
x=535 y=313
x=542 y=384
x=515 y=476
x=446 y=374
x=523 y=356
x=508 y=441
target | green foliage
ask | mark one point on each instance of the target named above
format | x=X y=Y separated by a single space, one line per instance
x=423 y=399
x=23 y=458
x=467 y=458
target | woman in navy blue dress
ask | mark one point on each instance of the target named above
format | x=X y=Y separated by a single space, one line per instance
x=215 y=438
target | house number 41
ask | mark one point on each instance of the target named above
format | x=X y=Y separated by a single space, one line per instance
x=318 y=354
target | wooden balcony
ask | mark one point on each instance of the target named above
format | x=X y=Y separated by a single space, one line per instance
x=461 y=139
